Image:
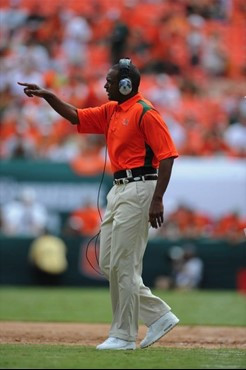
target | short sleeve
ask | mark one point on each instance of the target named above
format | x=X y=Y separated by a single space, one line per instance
x=95 y=120
x=157 y=135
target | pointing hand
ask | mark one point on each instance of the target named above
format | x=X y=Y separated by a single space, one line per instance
x=33 y=90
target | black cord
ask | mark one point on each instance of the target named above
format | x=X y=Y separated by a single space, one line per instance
x=87 y=248
x=98 y=208
x=102 y=178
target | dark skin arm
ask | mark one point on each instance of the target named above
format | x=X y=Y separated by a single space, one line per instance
x=156 y=217
x=65 y=110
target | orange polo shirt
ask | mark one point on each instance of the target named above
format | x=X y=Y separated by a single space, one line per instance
x=131 y=143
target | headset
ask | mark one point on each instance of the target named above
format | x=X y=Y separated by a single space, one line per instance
x=125 y=84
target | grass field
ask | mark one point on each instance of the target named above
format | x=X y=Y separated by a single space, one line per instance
x=77 y=305
x=62 y=357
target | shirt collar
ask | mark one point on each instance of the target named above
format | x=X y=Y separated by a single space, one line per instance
x=130 y=102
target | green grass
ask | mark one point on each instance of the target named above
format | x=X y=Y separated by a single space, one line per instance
x=64 y=357
x=224 y=308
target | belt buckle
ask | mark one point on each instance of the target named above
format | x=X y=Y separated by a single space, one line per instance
x=121 y=181
x=129 y=173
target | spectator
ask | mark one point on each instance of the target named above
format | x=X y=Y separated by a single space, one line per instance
x=214 y=56
x=188 y=272
x=90 y=160
x=47 y=256
x=13 y=17
x=186 y=269
x=118 y=41
x=230 y=226
x=235 y=137
x=195 y=39
x=76 y=37
x=83 y=221
x=25 y=215
x=19 y=145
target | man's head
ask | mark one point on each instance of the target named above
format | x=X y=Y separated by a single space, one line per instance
x=113 y=78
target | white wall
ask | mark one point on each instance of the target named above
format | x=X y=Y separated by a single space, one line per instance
x=215 y=185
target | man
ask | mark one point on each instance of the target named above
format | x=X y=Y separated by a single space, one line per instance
x=141 y=152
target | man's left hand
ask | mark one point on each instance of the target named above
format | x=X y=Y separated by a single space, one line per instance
x=156 y=218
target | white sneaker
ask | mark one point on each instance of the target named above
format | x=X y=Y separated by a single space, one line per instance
x=116 y=344
x=159 y=328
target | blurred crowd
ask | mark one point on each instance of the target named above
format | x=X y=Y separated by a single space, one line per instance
x=192 y=56
x=185 y=222
x=27 y=216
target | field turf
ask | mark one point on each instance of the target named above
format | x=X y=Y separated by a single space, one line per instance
x=78 y=305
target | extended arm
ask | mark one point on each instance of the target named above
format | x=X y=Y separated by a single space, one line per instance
x=66 y=110
x=156 y=208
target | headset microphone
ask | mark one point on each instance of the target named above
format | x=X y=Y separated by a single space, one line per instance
x=125 y=84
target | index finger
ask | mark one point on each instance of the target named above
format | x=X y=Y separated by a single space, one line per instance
x=23 y=84
x=30 y=86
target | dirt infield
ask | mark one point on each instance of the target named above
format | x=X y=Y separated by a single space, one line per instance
x=93 y=334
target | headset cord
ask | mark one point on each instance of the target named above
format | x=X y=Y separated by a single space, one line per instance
x=87 y=248
x=98 y=208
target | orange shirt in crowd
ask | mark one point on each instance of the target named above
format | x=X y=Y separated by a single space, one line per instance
x=231 y=223
x=129 y=140
x=86 y=220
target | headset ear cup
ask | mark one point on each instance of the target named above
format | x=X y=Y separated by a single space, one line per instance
x=125 y=86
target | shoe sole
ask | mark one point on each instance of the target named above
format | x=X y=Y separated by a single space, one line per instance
x=116 y=349
x=171 y=326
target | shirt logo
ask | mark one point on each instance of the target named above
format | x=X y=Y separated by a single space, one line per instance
x=125 y=121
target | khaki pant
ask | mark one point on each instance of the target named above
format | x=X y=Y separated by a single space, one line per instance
x=124 y=236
